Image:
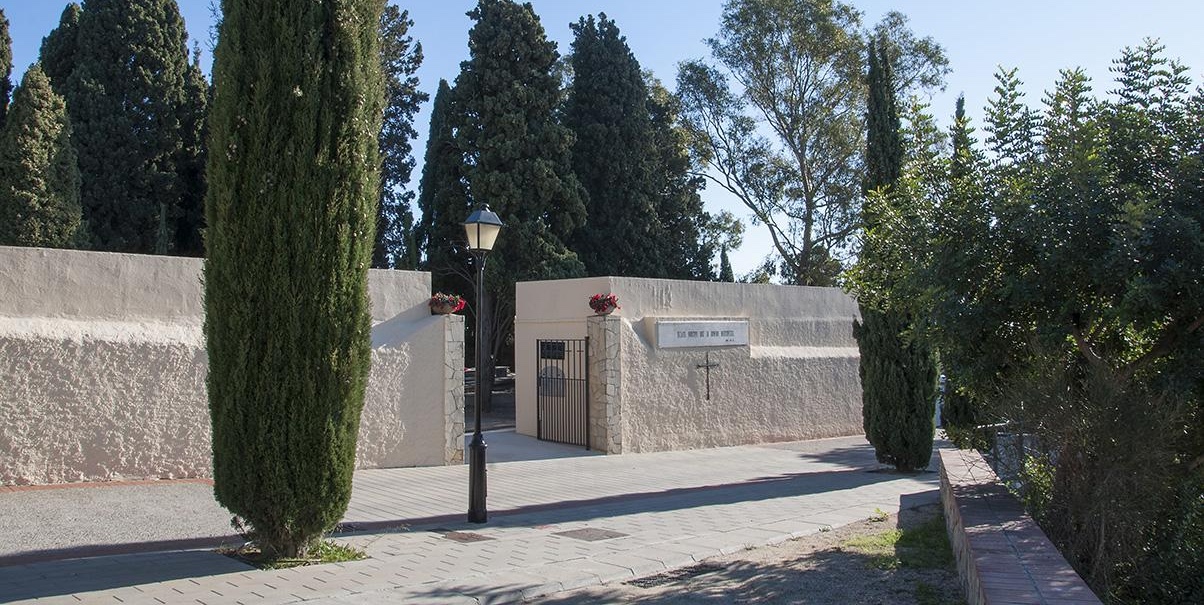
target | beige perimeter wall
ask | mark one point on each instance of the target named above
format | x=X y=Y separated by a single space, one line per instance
x=103 y=366
x=797 y=378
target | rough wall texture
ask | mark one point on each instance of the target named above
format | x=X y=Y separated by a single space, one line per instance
x=103 y=370
x=796 y=379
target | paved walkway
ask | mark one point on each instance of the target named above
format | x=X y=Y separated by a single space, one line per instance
x=557 y=523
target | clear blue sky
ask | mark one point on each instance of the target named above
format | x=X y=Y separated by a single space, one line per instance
x=1038 y=37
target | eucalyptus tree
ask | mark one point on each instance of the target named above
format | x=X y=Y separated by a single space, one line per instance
x=787 y=140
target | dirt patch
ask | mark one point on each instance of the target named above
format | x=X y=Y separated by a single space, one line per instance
x=830 y=567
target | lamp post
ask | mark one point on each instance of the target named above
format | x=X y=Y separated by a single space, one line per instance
x=482 y=228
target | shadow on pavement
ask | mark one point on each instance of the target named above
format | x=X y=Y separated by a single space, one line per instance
x=71 y=576
x=569 y=510
x=828 y=575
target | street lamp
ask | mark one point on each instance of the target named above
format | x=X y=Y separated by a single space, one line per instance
x=482 y=228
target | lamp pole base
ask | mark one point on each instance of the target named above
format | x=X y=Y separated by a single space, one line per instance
x=476 y=483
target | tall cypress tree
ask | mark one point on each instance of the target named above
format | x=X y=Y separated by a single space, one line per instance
x=290 y=207
x=124 y=95
x=60 y=49
x=517 y=156
x=443 y=201
x=190 y=163
x=39 y=181
x=688 y=234
x=6 y=66
x=725 y=267
x=898 y=376
x=400 y=58
x=613 y=154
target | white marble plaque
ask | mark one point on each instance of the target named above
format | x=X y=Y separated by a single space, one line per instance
x=677 y=334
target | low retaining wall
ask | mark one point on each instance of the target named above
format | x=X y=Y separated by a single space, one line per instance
x=104 y=367
x=1002 y=555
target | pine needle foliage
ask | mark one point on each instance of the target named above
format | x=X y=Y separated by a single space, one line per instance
x=291 y=207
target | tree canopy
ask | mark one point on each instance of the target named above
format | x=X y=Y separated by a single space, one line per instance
x=516 y=155
x=1057 y=267
x=788 y=141
x=400 y=58
x=39 y=181
x=122 y=66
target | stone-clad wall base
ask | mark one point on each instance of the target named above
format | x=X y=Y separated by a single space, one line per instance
x=606 y=383
x=1002 y=555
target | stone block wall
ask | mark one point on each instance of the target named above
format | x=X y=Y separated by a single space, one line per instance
x=606 y=378
x=103 y=370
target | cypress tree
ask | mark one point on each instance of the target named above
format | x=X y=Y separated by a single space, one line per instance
x=6 y=66
x=725 y=267
x=613 y=155
x=443 y=201
x=124 y=95
x=290 y=210
x=898 y=374
x=190 y=164
x=687 y=237
x=39 y=181
x=400 y=58
x=517 y=156
x=60 y=49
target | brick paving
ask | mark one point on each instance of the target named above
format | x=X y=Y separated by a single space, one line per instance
x=1002 y=555
x=644 y=514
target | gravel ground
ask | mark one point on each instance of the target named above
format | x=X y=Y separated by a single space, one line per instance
x=32 y=522
x=815 y=569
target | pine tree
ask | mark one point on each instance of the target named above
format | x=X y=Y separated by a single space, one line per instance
x=443 y=202
x=898 y=375
x=400 y=58
x=725 y=267
x=60 y=49
x=39 y=181
x=613 y=155
x=6 y=66
x=290 y=210
x=517 y=157
x=124 y=94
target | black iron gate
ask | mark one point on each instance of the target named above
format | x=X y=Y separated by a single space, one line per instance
x=562 y=391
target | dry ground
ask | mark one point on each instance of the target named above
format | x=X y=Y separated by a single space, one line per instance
x=866 y=562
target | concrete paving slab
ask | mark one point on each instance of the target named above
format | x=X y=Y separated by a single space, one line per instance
x=676 y=508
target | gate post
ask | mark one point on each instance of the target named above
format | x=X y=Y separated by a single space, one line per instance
x=605 y=383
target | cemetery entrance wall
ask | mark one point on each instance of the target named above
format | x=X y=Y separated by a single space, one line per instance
x=698 y=364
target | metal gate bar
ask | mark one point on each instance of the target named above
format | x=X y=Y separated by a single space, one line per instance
x=562 y=391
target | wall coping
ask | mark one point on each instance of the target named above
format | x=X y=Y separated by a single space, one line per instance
x=1002 y=555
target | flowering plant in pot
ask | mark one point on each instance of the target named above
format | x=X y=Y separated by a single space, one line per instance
x=444 y=304
x=603 y=304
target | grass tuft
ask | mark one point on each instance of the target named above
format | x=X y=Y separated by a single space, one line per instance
x=923 y=546
x=324 y=551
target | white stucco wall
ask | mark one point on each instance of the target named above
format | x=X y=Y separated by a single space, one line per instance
x=796 y=379
x=102 y=370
